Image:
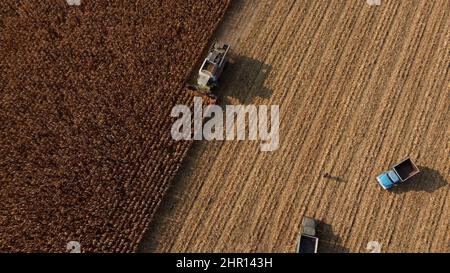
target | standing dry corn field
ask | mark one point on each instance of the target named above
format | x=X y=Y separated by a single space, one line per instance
x=85 y=99
x=359 y=88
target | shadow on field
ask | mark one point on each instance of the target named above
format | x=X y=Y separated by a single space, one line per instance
x=329 y=242
x=428 y=180
x=334 y=178
x=243 y=80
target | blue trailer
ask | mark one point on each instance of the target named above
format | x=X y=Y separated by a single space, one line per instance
x=400 y=173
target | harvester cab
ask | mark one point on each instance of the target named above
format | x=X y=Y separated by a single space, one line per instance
x=212 y=67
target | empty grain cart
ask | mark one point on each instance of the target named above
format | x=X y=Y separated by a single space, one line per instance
x=307 y=240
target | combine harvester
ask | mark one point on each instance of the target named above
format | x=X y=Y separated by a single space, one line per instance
x=212 y=67
x=400 y=173
x=211 y=70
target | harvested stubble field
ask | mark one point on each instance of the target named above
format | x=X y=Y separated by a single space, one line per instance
x=359 y=87
x=85 y=97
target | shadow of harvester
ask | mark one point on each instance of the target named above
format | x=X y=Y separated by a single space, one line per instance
x=243 y=80
x=428 y=180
